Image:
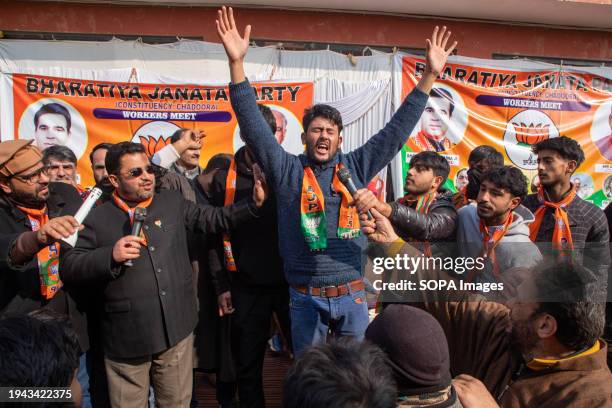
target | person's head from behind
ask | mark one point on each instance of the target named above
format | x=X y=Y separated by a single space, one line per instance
x=130 y=172
x=217 y=162
x=340 y=374
x=556 y=311
x=39 y=350
x=417 y=349
x=437 y=114
x=428 y=172
x=558 y=159
x=52 y=123
x=268 y=116
x=190 y=157
x=501 y=191
x=281 y=126
x=61 y=164
x=482 y=159
x=322 y=132
x=97 y=157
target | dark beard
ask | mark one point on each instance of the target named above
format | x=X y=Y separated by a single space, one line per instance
x=522 y=339
x=27 y=200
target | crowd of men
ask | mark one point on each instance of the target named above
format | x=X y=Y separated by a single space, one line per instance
x=264 y=245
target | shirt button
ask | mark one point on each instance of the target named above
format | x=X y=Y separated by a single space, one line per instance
x=159 y=270
x=152 y=248
x=146 y=227
x=163 y=293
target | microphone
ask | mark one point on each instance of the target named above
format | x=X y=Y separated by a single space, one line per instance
x=94 y=194
x=344 y=175
x=140 y=213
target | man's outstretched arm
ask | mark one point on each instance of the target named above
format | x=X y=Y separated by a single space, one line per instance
x=381 y=148
x=256 y=132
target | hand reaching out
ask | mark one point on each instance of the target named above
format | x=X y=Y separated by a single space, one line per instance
x=57 y=228
x=379 y=229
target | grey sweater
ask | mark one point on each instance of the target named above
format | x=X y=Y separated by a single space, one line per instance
x=514 y=250
x=342 y=260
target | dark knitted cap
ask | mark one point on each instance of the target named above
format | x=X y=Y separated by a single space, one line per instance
x=416 y=345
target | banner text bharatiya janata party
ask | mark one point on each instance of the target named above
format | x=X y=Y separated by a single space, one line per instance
x=92 y=112
x=473 y=105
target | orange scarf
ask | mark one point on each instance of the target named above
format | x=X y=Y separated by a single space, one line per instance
x=421 y=143
x=423 y=202
x=130 y=211
x=48 y=257
x=312 y=208
x=491 y=236
x=230 y=192
x=460 y=198
x=562 y=236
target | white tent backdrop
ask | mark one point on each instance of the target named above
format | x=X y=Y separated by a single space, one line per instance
x=359 y=87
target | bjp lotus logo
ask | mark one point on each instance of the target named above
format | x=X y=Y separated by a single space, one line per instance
x=154 y=136
x=528 y=135
x=524 y=130
x=152 y=144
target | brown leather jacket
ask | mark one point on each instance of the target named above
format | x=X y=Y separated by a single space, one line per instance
x=479 y=346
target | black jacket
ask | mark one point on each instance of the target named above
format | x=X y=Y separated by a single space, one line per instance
x=151 y=306
x=439 y=224
x=254 y=243
x=20 y=284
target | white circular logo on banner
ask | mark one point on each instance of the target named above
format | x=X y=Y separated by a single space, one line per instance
x=292 y=141
x=58 y=123
x=154 y=135
x=523 y=130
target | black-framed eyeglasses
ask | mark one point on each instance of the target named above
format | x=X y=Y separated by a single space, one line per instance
x=137 y=171
x=34 y=177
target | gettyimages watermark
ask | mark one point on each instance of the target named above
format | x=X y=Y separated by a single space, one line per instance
x=417 y=272
x=412 y=264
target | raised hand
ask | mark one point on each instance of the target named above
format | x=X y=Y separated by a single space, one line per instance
x=437 y=53
x=235 y=46
x=190 y=139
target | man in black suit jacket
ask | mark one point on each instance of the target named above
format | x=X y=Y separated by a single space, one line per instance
x=34 y=215
x=148 y=311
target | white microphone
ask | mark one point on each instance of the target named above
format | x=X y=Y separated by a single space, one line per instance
x=94 y=194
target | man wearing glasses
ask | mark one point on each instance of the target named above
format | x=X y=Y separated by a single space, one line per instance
x=34 y=215
x=148 y=309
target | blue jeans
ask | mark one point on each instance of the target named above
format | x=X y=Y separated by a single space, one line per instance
x=83 y=379
x=313 y=316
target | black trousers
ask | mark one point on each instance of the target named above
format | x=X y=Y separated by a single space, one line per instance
x=250 y=333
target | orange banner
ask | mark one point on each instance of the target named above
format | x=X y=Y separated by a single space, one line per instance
x=512 y=109
x=81 y=113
